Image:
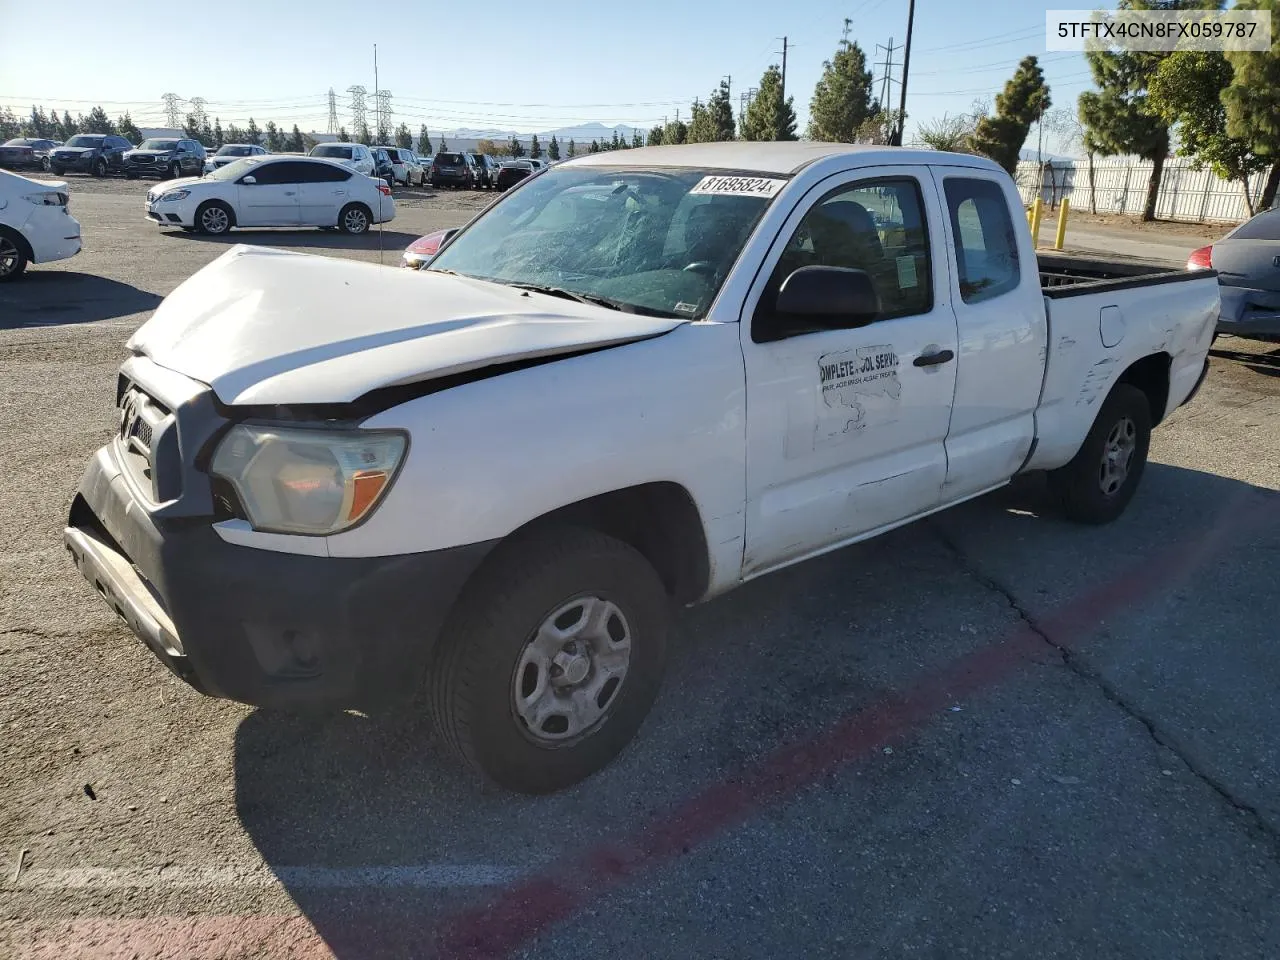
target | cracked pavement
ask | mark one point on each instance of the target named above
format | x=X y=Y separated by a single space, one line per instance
x=992 y=734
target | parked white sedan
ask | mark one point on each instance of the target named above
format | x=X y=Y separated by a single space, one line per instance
x=35 y=224
x=273 y=192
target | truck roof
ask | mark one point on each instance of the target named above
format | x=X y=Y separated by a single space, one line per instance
x=772 y=157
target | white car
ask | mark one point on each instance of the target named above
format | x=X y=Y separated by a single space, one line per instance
x=334 y=482
x=273 y=192
x=230 y=153
x=405 y=167
x=354 y=155
x=35 y=224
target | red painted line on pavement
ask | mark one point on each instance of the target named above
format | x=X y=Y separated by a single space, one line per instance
x=528 y=907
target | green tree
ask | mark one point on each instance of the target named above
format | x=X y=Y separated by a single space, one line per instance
x=97 y=122
x=613 y=144
x=676 y=131
x=37 y=124
x=363 y=134
x=701 y=127
x=572 y=150
x=954 y=134
x=489 y=148
x=274 y=140
x=767 y=117
x=1118 y=116
x=535 y=148
x=444 y=144
x=236 y=135
x=842 y=98
x=128 y=129
x=637 y=139
x=720 y=110
x=655 y=136
x=424 y=141
x=218 y=138
x=206 y=132
x=1187 y=90
x=595 y=147
x=1023 y=102
x=191 y=127
x=343 y=136
x=252 y=134
x=68 y=128
x=297 y=143
x=514 y=147
x=1253 y=99
x=553 y=148
x=9 y=125
x=404 y=139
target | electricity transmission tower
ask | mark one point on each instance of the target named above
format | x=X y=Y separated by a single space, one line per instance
x=172 y=115
x=198 y=111
x=383 y=100
x=358 y=122
x=887 y=80
x=333 y=111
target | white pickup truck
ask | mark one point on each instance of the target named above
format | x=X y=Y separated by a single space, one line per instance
x=635 y=381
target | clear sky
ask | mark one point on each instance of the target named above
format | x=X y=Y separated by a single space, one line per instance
x=498 y=63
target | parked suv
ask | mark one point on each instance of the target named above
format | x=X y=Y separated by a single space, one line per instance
x=230 y=153
x=405 y=165
x=96 y=153
x=488 y=170
x=383 y=168
x=165 y=157
x=454 y=170
x=353 y=155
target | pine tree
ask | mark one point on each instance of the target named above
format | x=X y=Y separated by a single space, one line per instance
x=572 y=151
x=767 y=117
x=273 y=137
x=343 y=136
x=252 y=134
x=720 y=110
x=218 y=139
x=9 y=125
x=842 y=97
x=424 y=141
x=535 y=148
x=363 y=135
x=38 y=124
x=236 y=135
x=515 y=147
x=1024 y=100
x=1252 y=100
x=553 y=148
x=676 y=131
x=191 y=127
x=206 y=132
x=296 y=142
x=444 y=144
x=595 y=147
x=636 y=139
x=655 y=136
x=701 y=127
x=128 y=129
x=69 y=127
x=98 y=122
x=404 y=139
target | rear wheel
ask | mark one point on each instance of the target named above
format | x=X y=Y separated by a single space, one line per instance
x=13 y=258
x=100 y=167
x=44 y=163
x=57 y=171
x=213 y=217
x=354 y=219
x=552 y=659
x=1098 y=483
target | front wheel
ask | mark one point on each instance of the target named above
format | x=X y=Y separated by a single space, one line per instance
x=1098 y=483
x=354 y=219
x=44 y=164
x=175 y=171
x=552 y=659
x=57 y=171
x=100 y=168
x=213 y=217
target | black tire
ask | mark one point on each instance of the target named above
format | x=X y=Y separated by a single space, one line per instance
x=208 y=222
x=472 y=683
x=44 y=164
x=175 y=171
x=1085 y=485
x=355 y=219
x=100 y=167
x=13 y=256
x=130 y=175
x=56 y=171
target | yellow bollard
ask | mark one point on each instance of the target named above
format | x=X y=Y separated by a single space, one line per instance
x=1061 y=235
x=1037 y=213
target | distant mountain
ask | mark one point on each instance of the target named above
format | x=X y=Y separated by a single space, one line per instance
x=582 y=133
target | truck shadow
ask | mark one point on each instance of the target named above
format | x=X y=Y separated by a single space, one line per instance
x=325 y=798
x=47 y=298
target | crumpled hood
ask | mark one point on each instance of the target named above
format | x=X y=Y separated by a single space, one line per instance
x=265 y=326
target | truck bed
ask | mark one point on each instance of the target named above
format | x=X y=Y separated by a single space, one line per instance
x=1067 y=276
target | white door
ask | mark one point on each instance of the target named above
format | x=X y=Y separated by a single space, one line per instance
x=847 y=427
x=272 y=200
x=995 y=290
x=322 y=194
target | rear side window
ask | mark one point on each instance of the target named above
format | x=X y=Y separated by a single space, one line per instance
x=986 y=245
x=450 y=158
x=1265 y=226
x=334 y=152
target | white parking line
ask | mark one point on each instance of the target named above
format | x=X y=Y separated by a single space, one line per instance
x=425 y=876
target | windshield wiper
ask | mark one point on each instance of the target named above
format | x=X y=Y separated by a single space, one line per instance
x=619 y=305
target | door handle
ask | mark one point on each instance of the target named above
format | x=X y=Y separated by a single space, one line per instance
x=290 y=193
x=933 y=359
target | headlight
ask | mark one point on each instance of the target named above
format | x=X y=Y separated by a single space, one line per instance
x=296 y=480
x=48 y=199
x=175 y=195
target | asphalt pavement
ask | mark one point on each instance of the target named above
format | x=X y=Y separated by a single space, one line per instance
x=990 y=734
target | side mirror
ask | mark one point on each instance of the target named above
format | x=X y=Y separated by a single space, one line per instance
x=829 y=298
x=250 y=179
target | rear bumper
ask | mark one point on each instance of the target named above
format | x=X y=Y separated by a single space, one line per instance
x=265 y=628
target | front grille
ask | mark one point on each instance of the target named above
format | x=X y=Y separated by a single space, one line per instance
x=141 y=416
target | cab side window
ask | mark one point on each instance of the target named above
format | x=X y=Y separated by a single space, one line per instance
x=877 y=226
x=986 y=245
